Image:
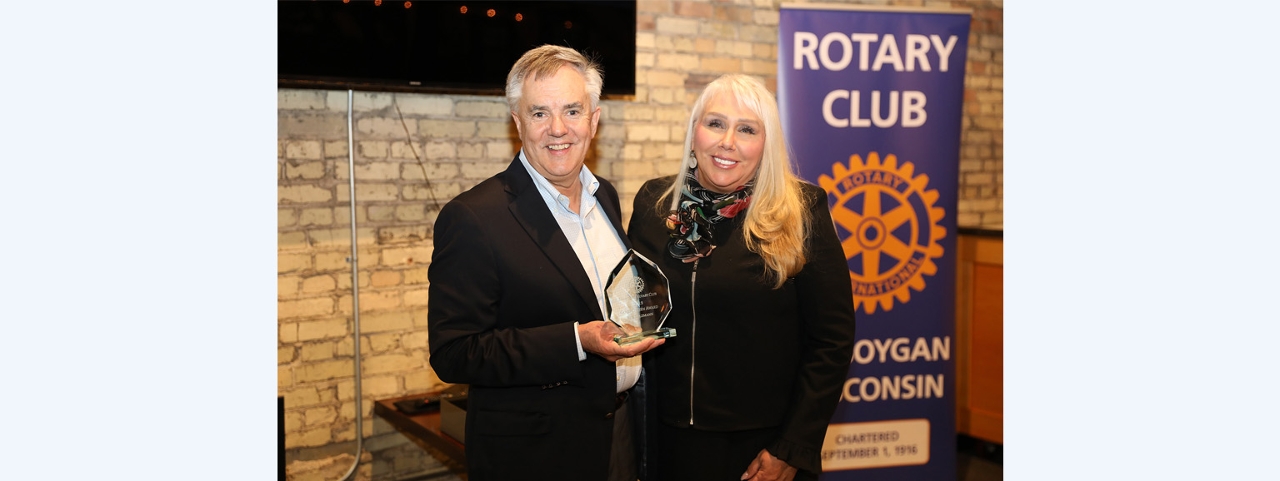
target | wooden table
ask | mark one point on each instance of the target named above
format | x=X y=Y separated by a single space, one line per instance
x=424 y=430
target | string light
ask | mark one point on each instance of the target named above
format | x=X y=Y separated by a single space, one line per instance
x=377 y=3
x=568 y=24
x=491 y=13
x=519 y=17
x=464 y=9
x=408 y=4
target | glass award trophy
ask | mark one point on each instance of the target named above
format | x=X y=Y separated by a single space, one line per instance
x=637 y=299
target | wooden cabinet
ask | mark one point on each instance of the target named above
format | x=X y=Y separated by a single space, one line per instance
x=980 y=335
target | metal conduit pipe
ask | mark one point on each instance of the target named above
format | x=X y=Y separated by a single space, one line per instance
x=355 y=288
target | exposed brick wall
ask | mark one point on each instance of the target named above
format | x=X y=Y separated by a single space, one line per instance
x=445 y=144
x=982 y=136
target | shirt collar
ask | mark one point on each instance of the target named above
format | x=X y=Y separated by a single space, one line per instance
x=553 y=196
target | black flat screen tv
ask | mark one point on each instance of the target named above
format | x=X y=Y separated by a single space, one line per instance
x=445 y=46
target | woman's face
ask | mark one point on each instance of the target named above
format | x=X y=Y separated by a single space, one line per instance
x=728 y=143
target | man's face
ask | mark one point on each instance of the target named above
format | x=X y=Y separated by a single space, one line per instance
x=556 y=125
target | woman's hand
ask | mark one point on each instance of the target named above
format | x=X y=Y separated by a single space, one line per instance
x=768 y=468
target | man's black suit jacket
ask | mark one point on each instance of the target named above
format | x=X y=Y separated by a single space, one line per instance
x=505 y=290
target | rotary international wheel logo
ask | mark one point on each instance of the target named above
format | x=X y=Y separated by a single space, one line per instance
x=888 y=226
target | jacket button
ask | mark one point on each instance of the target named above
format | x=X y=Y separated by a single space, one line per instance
x=608 y=416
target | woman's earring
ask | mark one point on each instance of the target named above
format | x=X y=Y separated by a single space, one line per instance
x=693 y=160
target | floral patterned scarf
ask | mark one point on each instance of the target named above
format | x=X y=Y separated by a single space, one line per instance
x=690 y=225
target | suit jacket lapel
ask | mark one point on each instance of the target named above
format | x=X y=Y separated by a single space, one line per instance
x=607 y=198
x=531 y=212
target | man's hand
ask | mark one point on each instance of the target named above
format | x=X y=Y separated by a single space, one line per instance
x=768 y=468
x=597 y=338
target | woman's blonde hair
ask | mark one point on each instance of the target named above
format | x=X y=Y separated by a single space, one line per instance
x=777 y=221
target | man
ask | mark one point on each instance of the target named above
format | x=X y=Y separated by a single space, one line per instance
x=516 y=297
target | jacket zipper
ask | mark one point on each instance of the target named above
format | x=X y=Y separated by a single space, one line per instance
x=693 y=307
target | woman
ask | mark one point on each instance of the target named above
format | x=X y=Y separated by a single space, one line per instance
x=761 y=298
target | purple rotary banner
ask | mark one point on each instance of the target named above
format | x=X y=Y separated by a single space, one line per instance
x=871 y=106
